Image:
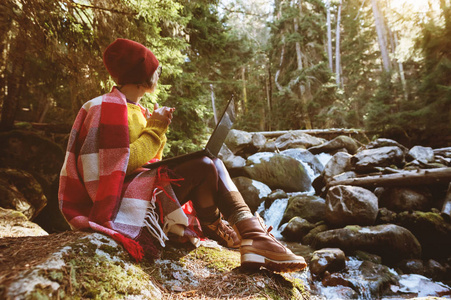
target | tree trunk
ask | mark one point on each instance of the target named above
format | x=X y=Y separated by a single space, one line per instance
x=378 y=20
x=14 y=81
x=213 y=104
x=276 y=77
x=409 y=178
x=401 y=70
x=269 y=100
x=329 y=38
x=305 y=116
x=337 y=47
x=243 y=77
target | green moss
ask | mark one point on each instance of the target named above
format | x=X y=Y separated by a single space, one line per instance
x=219 y=259
x=88 y=275
x=354 y=228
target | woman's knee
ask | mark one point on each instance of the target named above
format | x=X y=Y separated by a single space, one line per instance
x=207 y=166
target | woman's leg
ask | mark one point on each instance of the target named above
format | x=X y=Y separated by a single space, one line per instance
x=208 y=184
x=200 y=185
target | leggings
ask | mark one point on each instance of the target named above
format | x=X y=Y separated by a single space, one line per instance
x=207 y=183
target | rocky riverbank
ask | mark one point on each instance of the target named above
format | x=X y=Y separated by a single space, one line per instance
x=364 y=234
x=379 y=205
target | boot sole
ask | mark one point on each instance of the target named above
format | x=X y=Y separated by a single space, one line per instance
x=255 y=261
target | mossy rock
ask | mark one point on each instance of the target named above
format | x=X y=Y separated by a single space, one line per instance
x=431 y=230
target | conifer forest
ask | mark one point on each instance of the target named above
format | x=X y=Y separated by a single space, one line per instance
x=382 y=66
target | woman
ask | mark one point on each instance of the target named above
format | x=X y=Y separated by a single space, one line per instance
x=104 y=188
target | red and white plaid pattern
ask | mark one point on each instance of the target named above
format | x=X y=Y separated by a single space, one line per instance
x=94 y=192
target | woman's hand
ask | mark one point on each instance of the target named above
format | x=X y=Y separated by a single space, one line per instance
x=162 y=113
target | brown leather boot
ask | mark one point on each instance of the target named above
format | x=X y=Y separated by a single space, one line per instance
x=259 y=248
x=221 y=232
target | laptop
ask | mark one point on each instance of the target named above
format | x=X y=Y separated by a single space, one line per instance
x=214 y=144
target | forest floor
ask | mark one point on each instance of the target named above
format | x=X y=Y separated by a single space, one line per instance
x=180 y=272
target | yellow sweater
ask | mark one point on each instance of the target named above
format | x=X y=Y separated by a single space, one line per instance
x=147 y=138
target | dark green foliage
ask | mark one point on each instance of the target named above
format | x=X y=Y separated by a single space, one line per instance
x=425 y=117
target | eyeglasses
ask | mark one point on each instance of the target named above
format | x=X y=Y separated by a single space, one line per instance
x=159 y=70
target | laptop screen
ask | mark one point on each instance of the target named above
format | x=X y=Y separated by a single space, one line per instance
x=222 y=129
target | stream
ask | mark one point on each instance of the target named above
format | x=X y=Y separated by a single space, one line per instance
x=409 y=285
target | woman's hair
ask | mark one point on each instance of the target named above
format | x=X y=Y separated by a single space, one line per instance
x=152 y=80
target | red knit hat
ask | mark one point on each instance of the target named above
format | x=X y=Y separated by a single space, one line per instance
x=129 y=62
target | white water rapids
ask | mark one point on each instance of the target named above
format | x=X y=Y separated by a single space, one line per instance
x=409 y=284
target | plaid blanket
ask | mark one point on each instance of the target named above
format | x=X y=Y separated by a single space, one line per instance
x=94 y=193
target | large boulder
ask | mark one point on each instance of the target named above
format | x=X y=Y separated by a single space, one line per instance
x=422 y=154
x=433 y=232
x=16 y=224
x=254 y=192
x=231 y=161
x=369 y=159
x=404 y=199
x=383 y=142
x=278 y=172
x=338 y=164
x=349 y=205
x=393 y=243
x=296 y=229
x=238 y=141
x=296 y=139
x=339 y=143
x=20 y=191
x=305 y=157
x=327 y=259
x=310 y=208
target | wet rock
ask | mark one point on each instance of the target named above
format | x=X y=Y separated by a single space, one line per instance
x=390 y=241
x=296 y=139
x=20 y=191
x=307 y=157
x=435 y=270
x=16 y=224
x=405 y=199
x=431 y=230
x=385 y=216
x=383 y=142
x=421 y=154
x=270 y=146
x=327 y=259
x=231 y=160
x=347 y=205
x=339 y=291
x=258 y=140
x=444 y=152
x=273 y=196
x=411 y=266
x=363 y=255
x=296 y=229
x=311 y=208
x=340 y=142
x=368 y=160
x=238 y=141
x=253 y=191
x=310 y=237
x=338 y=164
x=278 y=172
x=377 y=277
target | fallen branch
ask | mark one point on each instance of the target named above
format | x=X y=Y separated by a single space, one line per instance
x=421 y=177
x=271 y=134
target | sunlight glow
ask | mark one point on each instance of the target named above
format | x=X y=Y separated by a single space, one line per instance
x=415 y=5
